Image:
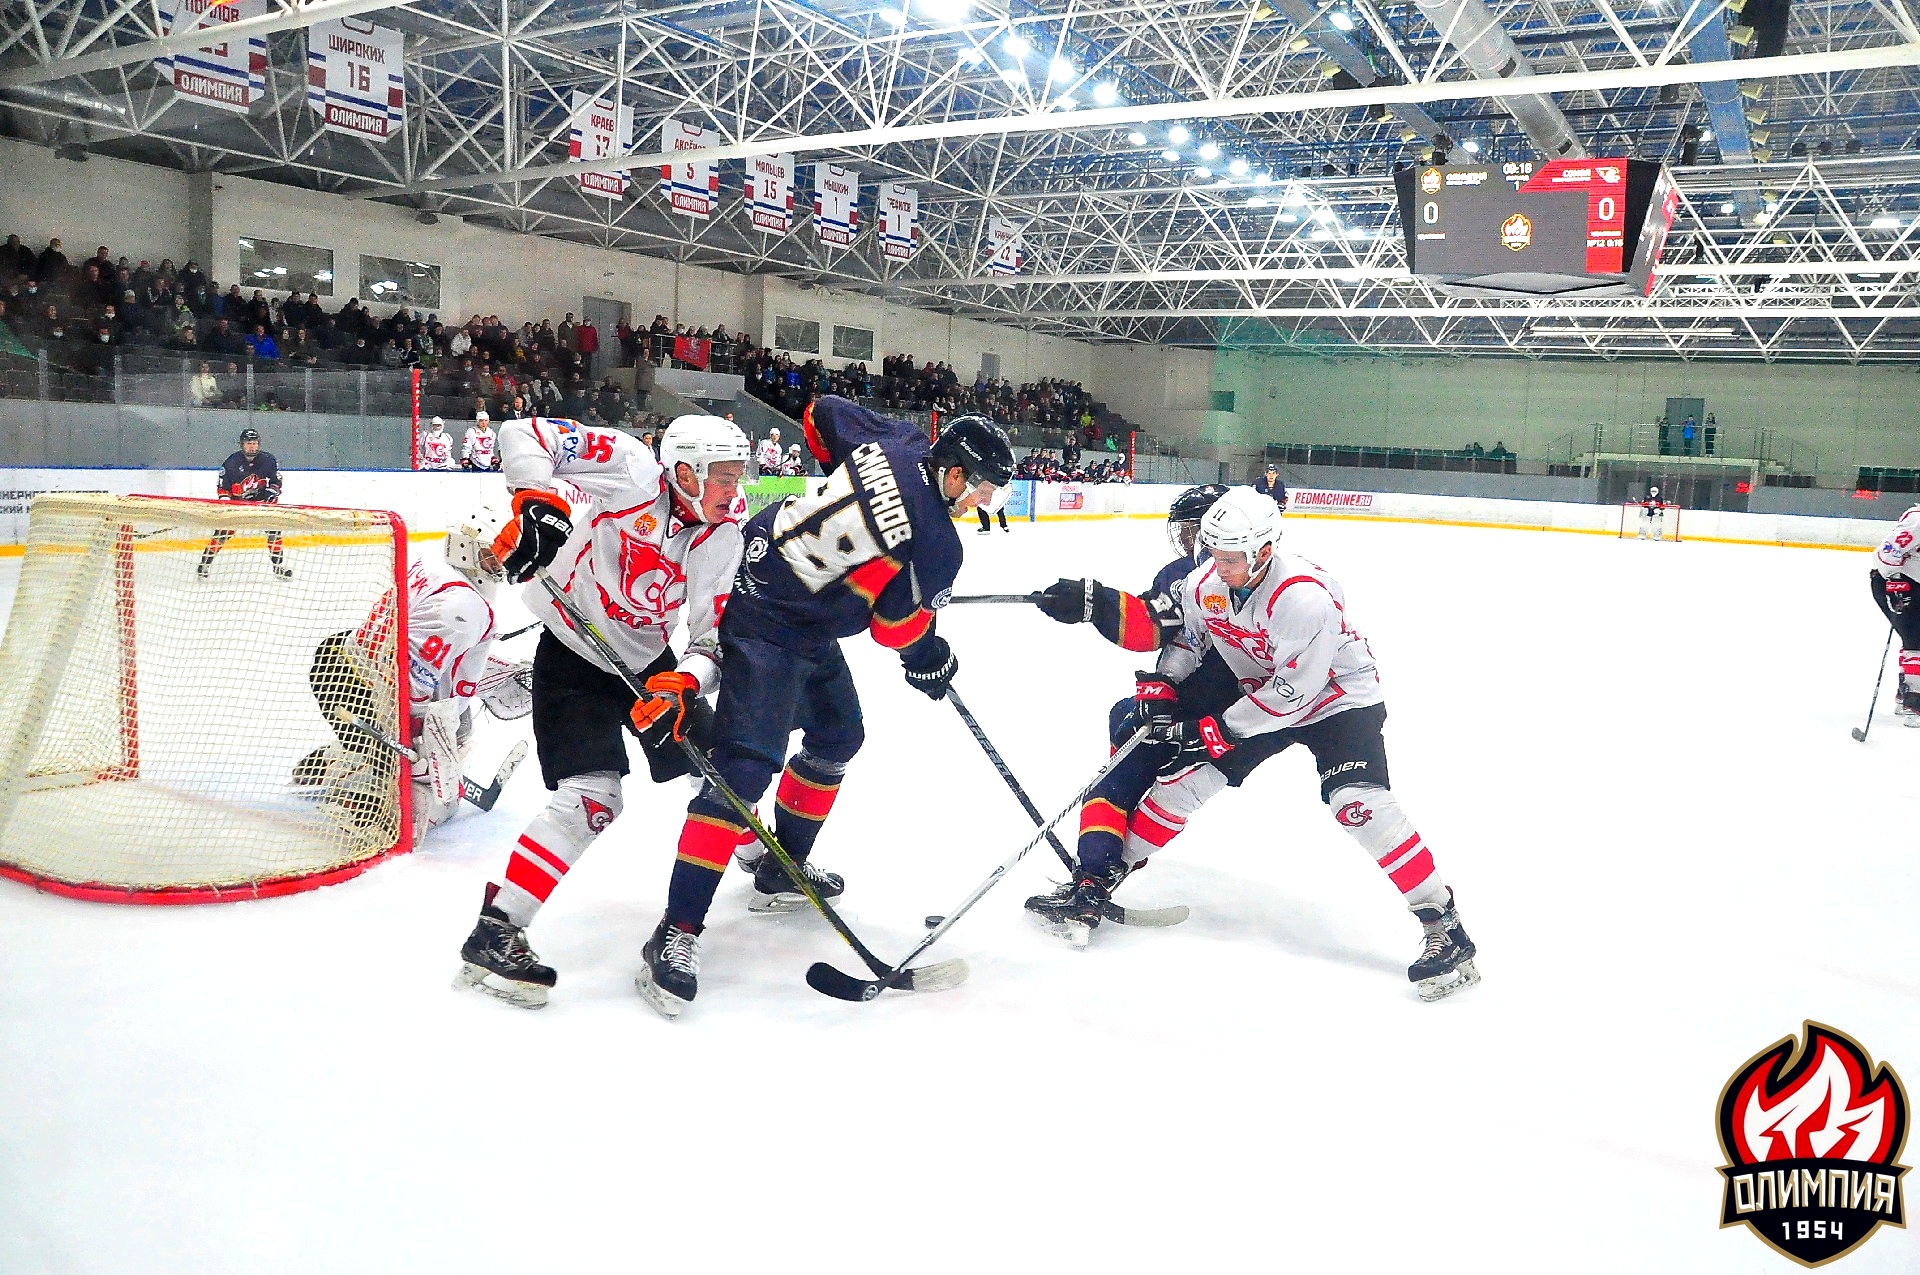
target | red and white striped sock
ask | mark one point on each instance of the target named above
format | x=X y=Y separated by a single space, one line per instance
x=1373 y=817
x=580 y=810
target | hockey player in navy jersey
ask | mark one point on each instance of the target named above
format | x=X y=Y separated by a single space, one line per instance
x=871 y=548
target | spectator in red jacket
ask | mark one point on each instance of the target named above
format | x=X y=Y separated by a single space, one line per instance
x=586 y=340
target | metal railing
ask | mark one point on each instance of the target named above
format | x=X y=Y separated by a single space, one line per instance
x=1770 y=448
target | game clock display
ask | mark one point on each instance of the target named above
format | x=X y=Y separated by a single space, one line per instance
x=1569 y=226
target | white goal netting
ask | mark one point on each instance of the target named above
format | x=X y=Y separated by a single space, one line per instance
x=154 y=719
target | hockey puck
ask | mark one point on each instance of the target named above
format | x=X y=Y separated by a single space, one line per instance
x=934 y=921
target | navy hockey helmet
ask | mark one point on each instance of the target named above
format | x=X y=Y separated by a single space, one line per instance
x=1184 y=515
x=978 y=446
x=249 y=435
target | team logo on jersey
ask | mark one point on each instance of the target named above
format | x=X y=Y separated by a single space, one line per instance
x=939 y=599
x=1214 y=603
x=1516 y=232
x=647 y=576
x=1354 y=814
x=645 y=524
x=1812 y=1132
x=598 y=816
x=1251 y=642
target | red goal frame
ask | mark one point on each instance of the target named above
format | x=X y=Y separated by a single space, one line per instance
x=1630 y=521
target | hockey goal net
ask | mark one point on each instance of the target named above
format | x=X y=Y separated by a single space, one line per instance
x=1663 y=524
x=153 y=716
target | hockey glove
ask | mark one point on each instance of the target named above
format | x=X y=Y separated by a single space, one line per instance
x=1156 y=702
x=1196 y=741
x=1899 y=592
x=930 y=676
x=1068 y=601
x=668 y=693
x=532 y=540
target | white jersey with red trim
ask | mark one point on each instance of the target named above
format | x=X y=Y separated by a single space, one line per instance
x=1896 y=554
x=478 y=447
x=436 y=449
x=449 y=632
x=1288 y=641
x=633 y=560
x=769 y=455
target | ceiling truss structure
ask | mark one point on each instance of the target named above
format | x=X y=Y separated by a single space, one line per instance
x=1290 y=240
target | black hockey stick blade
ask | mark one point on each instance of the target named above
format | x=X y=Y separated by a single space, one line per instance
x=528 y=628
x=485 y=797
x=1859 y=735
x=938 y=977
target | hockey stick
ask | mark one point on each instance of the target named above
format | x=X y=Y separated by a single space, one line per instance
x=1111 y=911
x=933 y=978
x=1860 y=732
x=827 y=980
x=470 y=788
x=525 y=628
x=1028 y=598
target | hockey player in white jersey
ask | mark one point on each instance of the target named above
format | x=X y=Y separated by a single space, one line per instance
x=477 y=448
x=1895 y=568
x=768 y=454
x=450 y=628
x=656 y=542
x=1290 y=669
x=436 y=446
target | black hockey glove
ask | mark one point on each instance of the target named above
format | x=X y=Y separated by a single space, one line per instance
x=1068 y=601
x=1156 y=703
x=930 y=675
x=1196 y=742
x=531 y=541
x=1899 y=594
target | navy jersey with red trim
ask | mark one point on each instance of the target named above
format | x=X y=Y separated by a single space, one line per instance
x=1144 y=621
x=250 y=478
x=871 y=546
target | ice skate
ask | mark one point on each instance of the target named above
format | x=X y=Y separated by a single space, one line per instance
x=774 y=891
x=499 y=962
x=1446 y=962
x=1906 y=707
x=202 y=571
x=1074 y=910
x=281 y=571
x=670 y=978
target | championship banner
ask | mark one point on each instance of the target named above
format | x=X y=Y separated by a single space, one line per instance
x=694 y=188
x=836 y=204
x=1003 y=247
x=601 y=132
x=899 y=221
x=231 y=75
x=770 y=193
x=355 y=78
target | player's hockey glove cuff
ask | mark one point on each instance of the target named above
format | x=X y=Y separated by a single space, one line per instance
x=1899 y=594
x=532 y=540
x=930 y=673
x=1156 y=703
x=1196 y=741
x=668 y=696
x=1068 y=601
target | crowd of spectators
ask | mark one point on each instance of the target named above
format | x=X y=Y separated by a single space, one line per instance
x=1070 y=466
x=85 y=316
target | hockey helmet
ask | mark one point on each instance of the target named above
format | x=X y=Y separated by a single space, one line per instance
x=249 y=435
x=700 y=442
x=1241 y=521
x=1184 y=515
x=1653 y=493
x=977 y=446
x=470 y=550
x=439 y=423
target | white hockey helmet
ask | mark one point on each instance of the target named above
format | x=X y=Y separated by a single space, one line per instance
x=470 y=550
x=1652 y=492
x=774 y=432
x=1241 y=522
x=700 y=441
x=438 y=423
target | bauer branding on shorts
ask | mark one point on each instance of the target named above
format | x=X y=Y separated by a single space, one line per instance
x=1812 y=1132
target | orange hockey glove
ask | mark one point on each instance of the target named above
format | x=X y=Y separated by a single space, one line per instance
x=667 y=693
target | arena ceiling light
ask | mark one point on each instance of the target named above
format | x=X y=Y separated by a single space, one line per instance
x=954 y=11
x=1171 y=156
x=1179 y=135
x=1016 y=45
x=1066 y=103
x=1209 y=151
x=1013 y=74
x=971 y=56
x=1203 y=172
x=1062 y=69
x=1238 y=167
x=1884 y=222
x=1341 y=19
x=1106 y=93
x=1137 y=138
x=895 y=18
x=1470 y=146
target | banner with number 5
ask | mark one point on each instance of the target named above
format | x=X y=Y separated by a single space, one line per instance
x=356 y=78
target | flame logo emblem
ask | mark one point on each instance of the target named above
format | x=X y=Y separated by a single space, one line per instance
x=1811 y=1130
x=1516 y=232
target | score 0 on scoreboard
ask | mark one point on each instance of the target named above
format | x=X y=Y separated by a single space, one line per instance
x=1585 y=227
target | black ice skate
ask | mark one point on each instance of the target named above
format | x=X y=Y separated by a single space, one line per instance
x=1446 y=962
x=670 y=979
x=1074 y=910
x=1906 y=708
x=774 y=891
x=499 y=962
x=281 y=571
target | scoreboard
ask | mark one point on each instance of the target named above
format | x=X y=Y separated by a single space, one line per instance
x=1586 y=227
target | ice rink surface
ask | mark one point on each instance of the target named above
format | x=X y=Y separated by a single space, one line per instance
x=1631 y=761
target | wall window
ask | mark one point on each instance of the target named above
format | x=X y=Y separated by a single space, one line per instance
x=290 y=267
x=802 y=336
x=394 y=282
x=852 y=343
